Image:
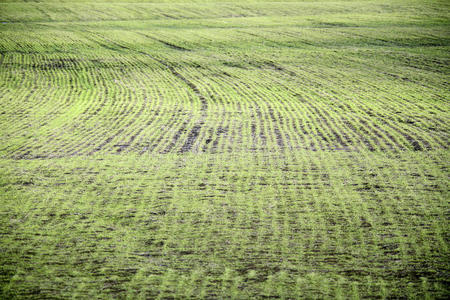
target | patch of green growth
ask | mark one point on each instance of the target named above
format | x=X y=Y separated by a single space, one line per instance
x=310 y=224
x=224 y=150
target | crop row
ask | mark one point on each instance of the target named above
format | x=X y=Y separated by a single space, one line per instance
x=249 y=225
x=145 y=92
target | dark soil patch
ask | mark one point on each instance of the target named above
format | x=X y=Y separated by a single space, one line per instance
x=192 y=137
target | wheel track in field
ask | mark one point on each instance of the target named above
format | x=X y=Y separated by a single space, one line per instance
x=166 y=43
x=194 y=133
x=221 y=118
x=195 y=130
x=153 y=120
x=310 y=119
x=177 y=120
x=129 y=110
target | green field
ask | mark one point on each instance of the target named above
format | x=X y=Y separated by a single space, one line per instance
x=217 y=150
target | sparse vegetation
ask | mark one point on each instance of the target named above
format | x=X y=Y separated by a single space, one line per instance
x=224 y=150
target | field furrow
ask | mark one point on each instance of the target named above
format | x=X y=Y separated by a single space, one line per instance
x=162 y=149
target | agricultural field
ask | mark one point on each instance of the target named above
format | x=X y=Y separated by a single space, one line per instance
x=216 y=150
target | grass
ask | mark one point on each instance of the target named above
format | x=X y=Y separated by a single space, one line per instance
x=224 y=150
